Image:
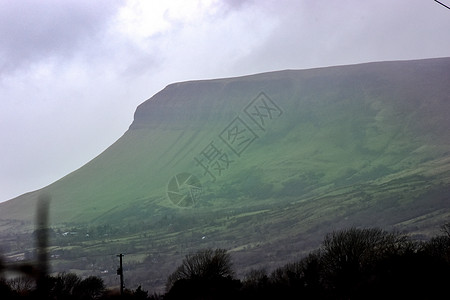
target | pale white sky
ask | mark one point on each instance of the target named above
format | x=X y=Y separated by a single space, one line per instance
x=73 y=72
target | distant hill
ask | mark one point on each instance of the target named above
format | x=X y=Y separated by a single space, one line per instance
x=265 y=164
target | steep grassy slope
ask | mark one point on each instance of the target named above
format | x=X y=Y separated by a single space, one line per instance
x=285 y=155
x=341 y=125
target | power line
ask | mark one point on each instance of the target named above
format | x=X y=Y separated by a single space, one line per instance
x=442 y=4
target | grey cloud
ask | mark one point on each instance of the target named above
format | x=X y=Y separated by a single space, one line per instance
x=35 y=30
x=236 y=4
x=311 y=34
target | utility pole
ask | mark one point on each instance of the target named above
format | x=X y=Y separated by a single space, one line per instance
x=120 y=272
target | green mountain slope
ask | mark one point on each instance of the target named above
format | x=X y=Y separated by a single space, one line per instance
x=268 y=158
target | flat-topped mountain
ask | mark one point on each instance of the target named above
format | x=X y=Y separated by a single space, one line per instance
x=265 y=164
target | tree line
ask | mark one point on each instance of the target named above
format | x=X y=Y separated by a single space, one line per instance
x=353 y=263
x=350 y=264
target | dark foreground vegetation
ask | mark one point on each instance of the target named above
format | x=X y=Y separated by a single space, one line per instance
x=350 y=264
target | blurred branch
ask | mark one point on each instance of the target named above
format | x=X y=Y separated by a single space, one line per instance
x=38 y=270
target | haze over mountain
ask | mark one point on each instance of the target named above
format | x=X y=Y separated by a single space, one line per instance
x=265 y=164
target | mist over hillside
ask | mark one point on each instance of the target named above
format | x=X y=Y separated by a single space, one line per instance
x=262 y=165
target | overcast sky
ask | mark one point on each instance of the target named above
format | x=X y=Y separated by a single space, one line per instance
x=72 y=72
